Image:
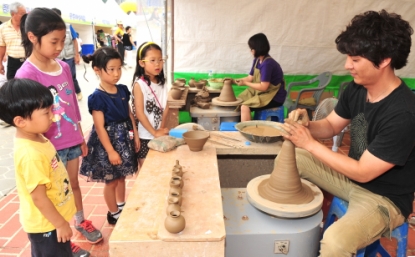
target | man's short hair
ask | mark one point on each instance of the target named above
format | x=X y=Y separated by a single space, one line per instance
x=20 y=97
x=15 y=6
x=377 y=36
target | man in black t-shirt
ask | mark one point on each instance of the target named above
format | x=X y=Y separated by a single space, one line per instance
x=378 y=176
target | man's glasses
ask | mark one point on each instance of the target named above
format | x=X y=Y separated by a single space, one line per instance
x=154 y=61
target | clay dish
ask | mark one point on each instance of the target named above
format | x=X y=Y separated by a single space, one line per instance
x=199 y=85
x=176 y=93
x=195 y=139
x=178 y=84
x=260 y=131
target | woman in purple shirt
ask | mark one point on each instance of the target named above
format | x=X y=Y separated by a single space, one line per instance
x=266 y=86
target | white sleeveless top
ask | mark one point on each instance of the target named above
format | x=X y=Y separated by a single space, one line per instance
x=155 y=102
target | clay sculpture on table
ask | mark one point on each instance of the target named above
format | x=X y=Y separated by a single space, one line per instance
x=173 y=204
x=178 y=178
x=176 y=93
x=192 y=82
x=177 y=165
x=178 y=196
x=202 y=99
x=174 y=222
x=175 y=186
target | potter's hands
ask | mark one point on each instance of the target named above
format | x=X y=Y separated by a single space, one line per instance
x=239 y=82
x=161 y=132
x=298 y=134
x=1 y=68
x=300 y=116
x=114 y=158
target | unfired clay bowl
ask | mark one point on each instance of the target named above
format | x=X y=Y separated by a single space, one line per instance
x=195 y=139
x=257 y=138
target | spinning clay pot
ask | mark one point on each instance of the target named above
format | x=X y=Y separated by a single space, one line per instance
x=176 y=93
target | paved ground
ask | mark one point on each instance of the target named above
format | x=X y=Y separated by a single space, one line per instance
x=7 y=177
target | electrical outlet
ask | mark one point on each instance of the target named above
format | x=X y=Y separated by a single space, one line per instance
x=281 y=246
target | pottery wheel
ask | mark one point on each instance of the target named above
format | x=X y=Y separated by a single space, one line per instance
x=283 y=210
x=216 y=101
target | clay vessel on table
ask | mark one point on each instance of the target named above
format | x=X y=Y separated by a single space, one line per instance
x=173 y=204
x=199 y=85
x=174 y=222
x=177 y=165
x=178 y=196
x=178 y=84
x=227 y=94
x=175 y=186
x=284 y=185
x=195 y=139
x=177 y=172
x=204 y=81
x=181 y=80
x=176 y=93
x=178 y=178
x=192 y=82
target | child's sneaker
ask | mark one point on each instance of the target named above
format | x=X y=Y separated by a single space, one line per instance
x=89 y=231
x=78 y=251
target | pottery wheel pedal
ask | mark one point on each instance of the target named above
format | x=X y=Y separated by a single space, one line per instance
x=284 y=193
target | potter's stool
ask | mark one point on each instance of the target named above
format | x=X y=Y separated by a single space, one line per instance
x=273 y=114
x=228 y=126
x=339 y=207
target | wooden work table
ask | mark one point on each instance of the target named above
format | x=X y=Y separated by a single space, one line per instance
x=140 y=229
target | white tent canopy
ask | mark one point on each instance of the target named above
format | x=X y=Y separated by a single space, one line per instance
x=212 y=36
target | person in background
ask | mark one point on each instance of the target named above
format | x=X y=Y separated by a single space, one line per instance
x=377 y=177
x=43 y=36
x=114 y=141
x=265 y=80
x=149 y=101
x=11 y=41
x=79 y=40
x=70 y=53
x=45 y=194
x=128 y=46
x=118 y=36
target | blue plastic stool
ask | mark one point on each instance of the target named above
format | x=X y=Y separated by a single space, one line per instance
x=339 y=207
x=228 y=126
x=273 y=114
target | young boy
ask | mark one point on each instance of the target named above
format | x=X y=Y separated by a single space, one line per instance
x=46 y=198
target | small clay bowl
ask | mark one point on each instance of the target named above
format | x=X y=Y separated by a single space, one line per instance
x=199 y=85
x=196 y=139
x=176 y=93
x=178 y=84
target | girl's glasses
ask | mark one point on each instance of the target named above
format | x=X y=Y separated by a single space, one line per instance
x=154 y=61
